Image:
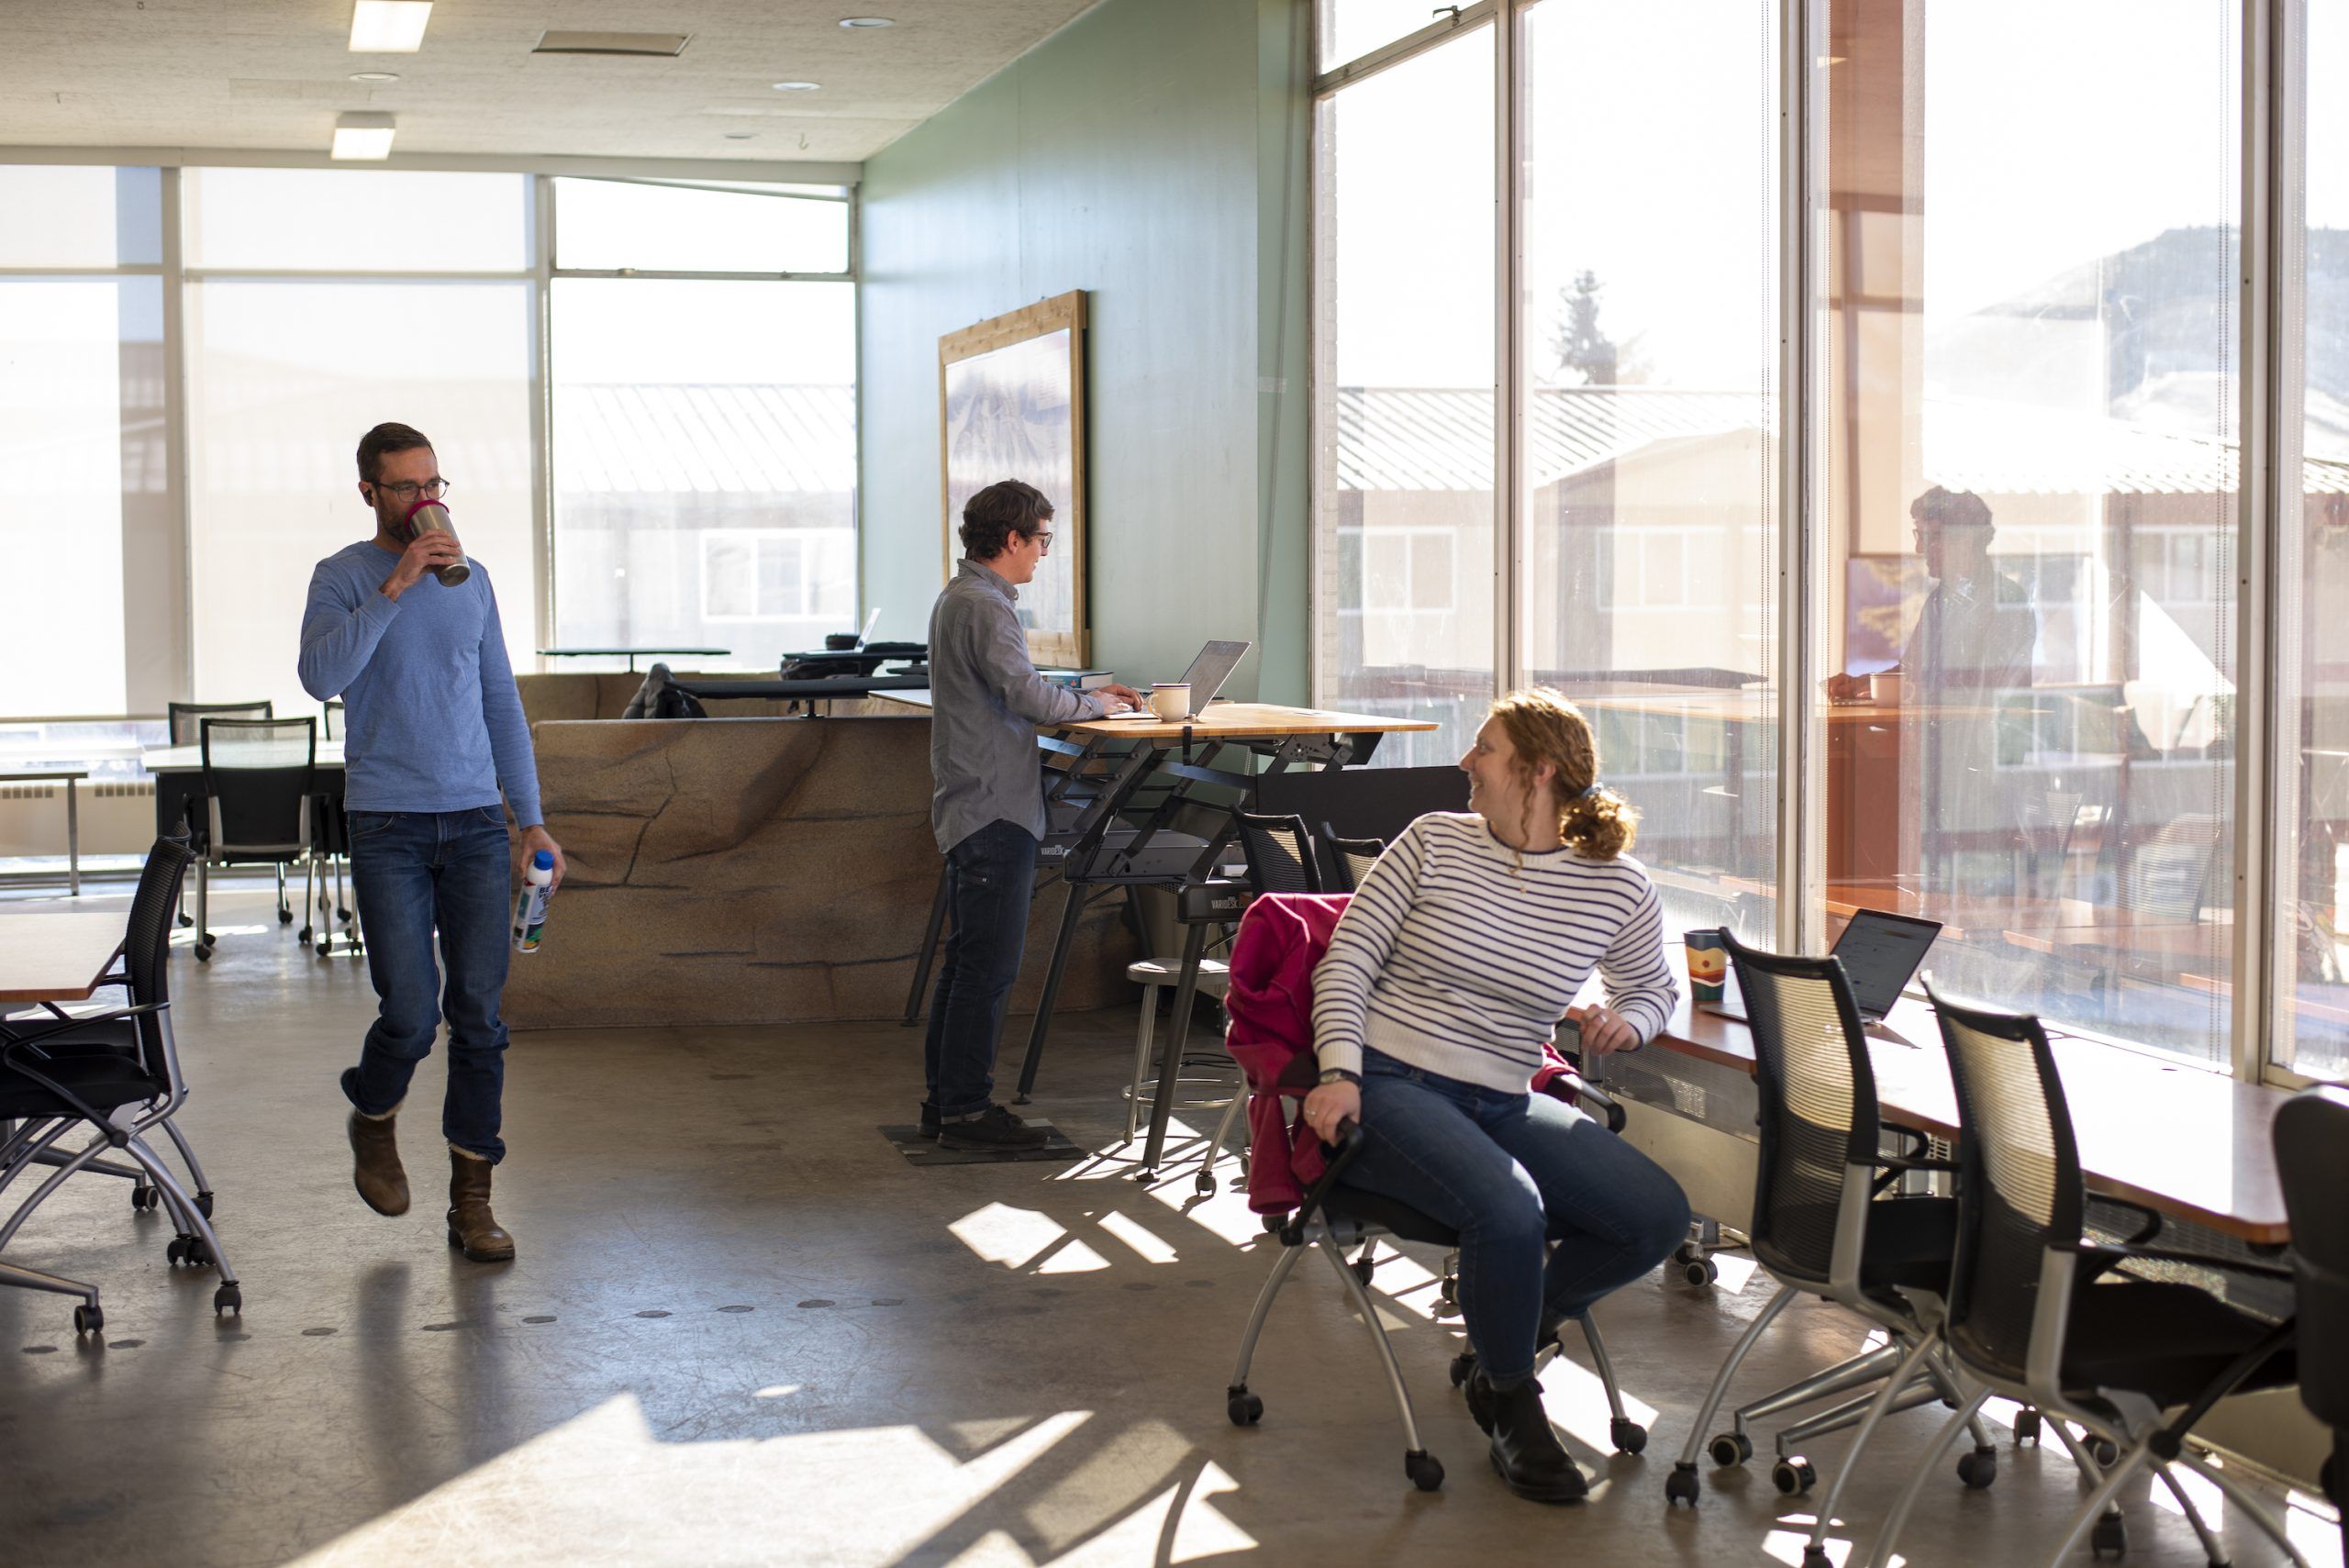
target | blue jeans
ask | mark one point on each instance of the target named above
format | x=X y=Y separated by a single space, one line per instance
x=991 y=877
x=1511 y=1172
x=416 y=871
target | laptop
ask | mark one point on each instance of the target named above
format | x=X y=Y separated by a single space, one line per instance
x=1208 y=672
x=1880 y=952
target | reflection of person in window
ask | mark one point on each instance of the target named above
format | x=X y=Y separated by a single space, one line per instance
x=1978 y=631
x=1972 y=644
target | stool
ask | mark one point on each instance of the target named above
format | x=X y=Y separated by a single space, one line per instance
x=1150 y=973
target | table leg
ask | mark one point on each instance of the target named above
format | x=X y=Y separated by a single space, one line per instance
x=1170 y=1059
x=72 y=838
x=1071 y=912
x=915 y=998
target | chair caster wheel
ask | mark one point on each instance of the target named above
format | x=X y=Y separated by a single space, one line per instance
x=323 y=949
x=2104 y=1451
x=1682 y=1486
x=2026 y=1426
x=204 y=1204
x=1815 y=1557
x=227 y=1299
x=1424 y=1469
x=204 y=953
x=186 y=920
x=303 y=935
x=1615 y=1119
x=286 y=917
x=1204 y=1186
x=1794 y=1473
x=142 y=1197
x=1730 y=1448
x=1462 y=1366
x=1244 y=1409
x=1627 y=1435
x=2109 y=1534
x=1362 y=1268
x=88 y=1319
x=1447 y=1297
x=1979 y=1468
x=175 y=1253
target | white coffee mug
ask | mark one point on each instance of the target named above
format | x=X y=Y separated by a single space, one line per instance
x=1170 y=700
x=1884 y=687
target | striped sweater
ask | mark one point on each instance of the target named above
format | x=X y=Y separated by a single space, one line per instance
x=1459 y=956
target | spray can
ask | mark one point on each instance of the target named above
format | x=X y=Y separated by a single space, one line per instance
x=530 y=906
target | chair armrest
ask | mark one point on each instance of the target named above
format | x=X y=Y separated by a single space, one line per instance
x=1348 y=1145
x=12 y=1035
x=2144 y=1233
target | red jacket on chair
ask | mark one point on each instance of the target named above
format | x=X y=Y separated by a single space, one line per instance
x=1269 y=1000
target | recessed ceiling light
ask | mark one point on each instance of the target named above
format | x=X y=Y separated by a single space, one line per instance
x=374 y=76
x=388 y=26
x=798 y=86
x=740 y=135
x=867 y=22
x=362 y=135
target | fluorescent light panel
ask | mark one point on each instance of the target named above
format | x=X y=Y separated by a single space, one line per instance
x=388 y=26
x=362 y=135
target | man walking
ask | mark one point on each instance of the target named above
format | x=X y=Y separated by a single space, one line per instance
x=987 y=808
x=434 y=729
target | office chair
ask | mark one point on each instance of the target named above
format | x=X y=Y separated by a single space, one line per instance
x=49 y=1087
x=1333 y=1218
x=1350 y=859
x=1826 y=1224
x=2039 y=1314
x=145 y=979
x=260 y=780
x=2313 y=1160
x=186 y=722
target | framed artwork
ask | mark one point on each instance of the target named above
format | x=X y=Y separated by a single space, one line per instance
x=1011 y=405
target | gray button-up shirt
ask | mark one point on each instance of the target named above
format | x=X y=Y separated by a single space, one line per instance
x=985 y=703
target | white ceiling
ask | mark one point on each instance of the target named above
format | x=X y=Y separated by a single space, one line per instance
x=252 y=74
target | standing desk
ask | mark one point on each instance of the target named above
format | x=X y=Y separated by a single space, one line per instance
x=1106 y=852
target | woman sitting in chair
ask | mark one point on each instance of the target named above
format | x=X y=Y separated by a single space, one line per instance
x=1447 y=974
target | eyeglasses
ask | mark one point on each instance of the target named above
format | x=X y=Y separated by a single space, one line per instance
x=408 y=489
x=1042 y=537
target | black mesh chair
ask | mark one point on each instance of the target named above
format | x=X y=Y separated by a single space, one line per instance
x=145 y=978
x=261 y=785
x=2039 y=1314
x=1348 y=859
x=1827 y=1222
x=186 y=720
x=1333 y=1218
x=117 y=1075
x=2313 y=1159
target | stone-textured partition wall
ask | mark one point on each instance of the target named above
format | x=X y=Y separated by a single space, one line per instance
x=754 y=871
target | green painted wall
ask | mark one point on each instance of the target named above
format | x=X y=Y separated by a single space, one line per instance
x=1152 y=153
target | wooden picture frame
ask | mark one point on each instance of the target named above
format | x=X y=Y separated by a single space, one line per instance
x=1011 y=405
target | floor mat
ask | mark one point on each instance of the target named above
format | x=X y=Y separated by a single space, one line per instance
x=919 y=1150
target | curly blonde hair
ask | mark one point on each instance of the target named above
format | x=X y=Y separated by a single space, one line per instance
x=1544 y=727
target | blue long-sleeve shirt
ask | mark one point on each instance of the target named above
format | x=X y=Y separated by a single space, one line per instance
x=433 y=720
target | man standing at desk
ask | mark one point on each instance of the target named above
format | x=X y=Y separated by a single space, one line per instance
x=435 y=728
x=987 y=808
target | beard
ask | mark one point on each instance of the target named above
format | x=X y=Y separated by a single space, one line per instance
x=393 y=525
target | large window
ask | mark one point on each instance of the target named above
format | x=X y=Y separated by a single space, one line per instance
x=1993 y=354
x=705 y=426
x=1648 y=589
x=1403 y=460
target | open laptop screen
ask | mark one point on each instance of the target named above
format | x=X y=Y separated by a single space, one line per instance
x=1211 y=669
x=1880 y=952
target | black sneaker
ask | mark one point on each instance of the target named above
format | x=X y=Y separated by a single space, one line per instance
x=994 y=1127
x=929 y=1123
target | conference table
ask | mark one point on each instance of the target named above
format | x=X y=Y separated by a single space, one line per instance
x=180 y=802
x=56 y=957
x=2187 y=1143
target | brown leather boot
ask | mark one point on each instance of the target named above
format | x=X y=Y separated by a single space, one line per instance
x=376 y=1167
x=471 y=1225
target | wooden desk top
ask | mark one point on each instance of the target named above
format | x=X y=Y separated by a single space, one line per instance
x=55 y=958
x=2181 y=1140
x=1223 y=721
x=190 y=759
x=1232 y=720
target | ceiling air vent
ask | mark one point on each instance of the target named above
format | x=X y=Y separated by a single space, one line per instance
x=659 y=44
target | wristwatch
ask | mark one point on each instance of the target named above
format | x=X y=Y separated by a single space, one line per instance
x=1339 y=1075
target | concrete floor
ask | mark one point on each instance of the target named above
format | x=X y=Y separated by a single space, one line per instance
x=743 y=1329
